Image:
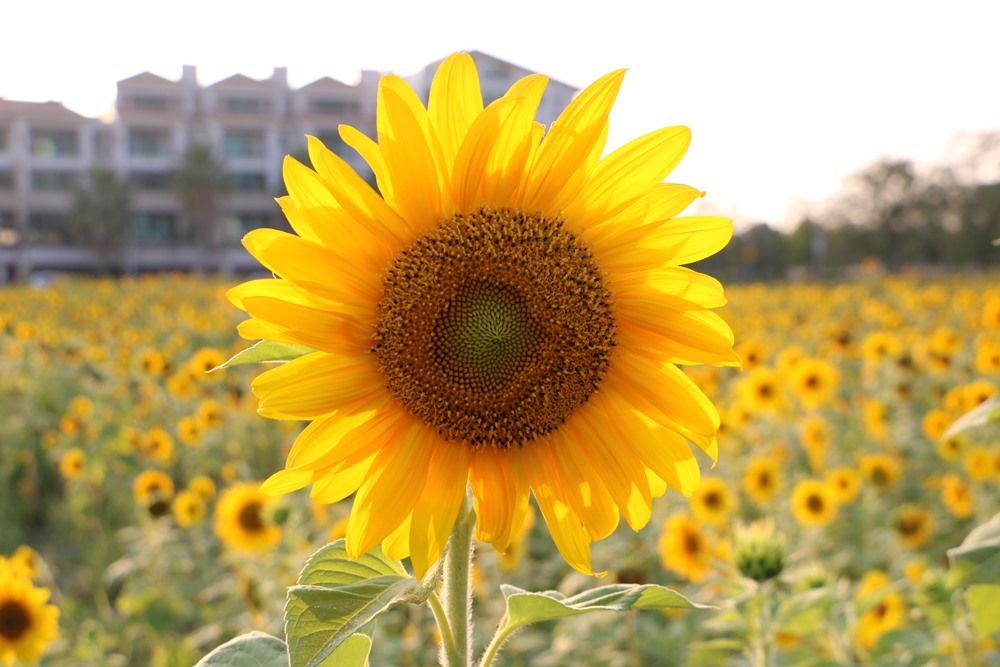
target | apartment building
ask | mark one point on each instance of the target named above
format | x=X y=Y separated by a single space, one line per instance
x=250 y=125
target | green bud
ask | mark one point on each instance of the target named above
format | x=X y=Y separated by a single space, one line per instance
x=760 y=551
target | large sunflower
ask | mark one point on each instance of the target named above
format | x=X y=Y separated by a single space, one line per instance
x=507 y=315
x=27 y=623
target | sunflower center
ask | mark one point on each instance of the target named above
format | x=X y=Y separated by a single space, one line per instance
x=14 y=619
x=250 y=518
x=815 y=504
x=494 y=327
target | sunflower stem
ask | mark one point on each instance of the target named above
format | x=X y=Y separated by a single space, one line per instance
x=457 y=593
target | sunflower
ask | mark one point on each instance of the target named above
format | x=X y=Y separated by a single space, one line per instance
x=760 y=390
x=988 y=358
x=71 y=463
x=203 y=486
x=956 y=496
x=914 y=526
x=712 y=502
x=761 y=479
x=159 y=445
x=884 y=609
x=935 y=423
x=845 y=484
x=241 y=521
x=152 y=486
x=991 y=313
x=189 y=508
x=27 y=623
x=813 y=503
x=880 y=469
x=979 y=463
x=879 y=346
x=813 y=381
x=814 y=432
x=685 y=549
x=506 y=315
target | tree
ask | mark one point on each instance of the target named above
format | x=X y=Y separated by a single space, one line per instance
x=201 y=182
x=102 y=216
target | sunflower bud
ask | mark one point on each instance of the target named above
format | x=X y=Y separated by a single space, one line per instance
x=760 y=550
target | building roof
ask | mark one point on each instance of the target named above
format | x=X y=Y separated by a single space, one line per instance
x=326 y=82
x=240 y=80
x=14 y=110
x=148 y=77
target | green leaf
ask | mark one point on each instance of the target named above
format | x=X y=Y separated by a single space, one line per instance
x=255 y=649
x=264 y=351
x=984 y=602
x=524 y=607
x=337 y=597
x=977 y=559
x=987 y=411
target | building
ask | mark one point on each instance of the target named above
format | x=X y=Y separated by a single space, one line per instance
x=250 y=125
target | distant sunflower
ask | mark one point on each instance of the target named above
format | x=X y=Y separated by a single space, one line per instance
x=761 y=479
x=27 y=623
x=241 y=521
x=956 y=496
x=712 y=502
x=685 y=549
x=881 y=470
x=71 y=463
x=979 y=463
x=154 y=489
x=505 y=313
x=813 y=381
x=760 y=390
x=813 y=503
x=189 y=508
x=845 y=484
x=935 y=423
x=884 y=608
x=914 y=526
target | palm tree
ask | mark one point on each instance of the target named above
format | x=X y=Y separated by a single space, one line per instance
x=201 y=182
x=102 y=216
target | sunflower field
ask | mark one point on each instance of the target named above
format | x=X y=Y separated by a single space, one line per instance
x=132 y=532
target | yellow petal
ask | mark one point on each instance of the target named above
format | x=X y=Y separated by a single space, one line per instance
x=391 y=489
x=439 y=504
x=629 y=173
x=319 y=384
x=454 y=102
x=397 y=544
x=581 y=485
x=499 y=495
x=369 y=151
x=571 y=141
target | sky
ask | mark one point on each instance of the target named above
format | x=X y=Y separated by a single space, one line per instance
x=784 y=98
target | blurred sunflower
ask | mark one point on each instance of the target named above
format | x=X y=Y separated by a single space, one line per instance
x=845 y=484
x=813 y=381
x=712 y=502
x=814 y=431
x=979 y=463
x=884 y=609
x=879 y=346
x=752 y=353
x=71 y=463
x=988 y=358
x=991 y=313
x=881 y=470
x=914 y=526
x=507 y=315
x=203 y=486
x=189 y=508
x=761 y=479
x=685 y=549
x=27 y=624
x=159 y=445
x=152 y=486
x=241 y=522
x=956 y=496
x=935 y=423
x=760 y=390
x=813 y=503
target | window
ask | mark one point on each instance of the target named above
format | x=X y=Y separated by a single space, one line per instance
x=244 y=104
x=151 y=103
x=149 y=180
x=53 y=180
x=251 y=221
x=47 y=227
x=3 y=139
x=248 y=182
x=243 y=143
x=6 y=180
x=155 y=227
x=8 y=234
x=54 y=142
x=338 y=107
x=148 y=142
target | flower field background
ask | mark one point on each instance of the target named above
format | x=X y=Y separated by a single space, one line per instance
x=128 y=472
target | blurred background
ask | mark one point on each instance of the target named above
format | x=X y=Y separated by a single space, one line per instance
x=855 y=145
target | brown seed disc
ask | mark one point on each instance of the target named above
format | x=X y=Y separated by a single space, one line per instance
x=494 y=327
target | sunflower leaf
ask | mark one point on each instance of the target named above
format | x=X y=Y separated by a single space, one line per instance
x=254 y=649
x=337 y=599
x=524 y=607
x=987 y=411
x=265 y=351
x=977 y=559
x=984 y=603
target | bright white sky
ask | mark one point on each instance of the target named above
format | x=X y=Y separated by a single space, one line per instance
x=784 y=98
